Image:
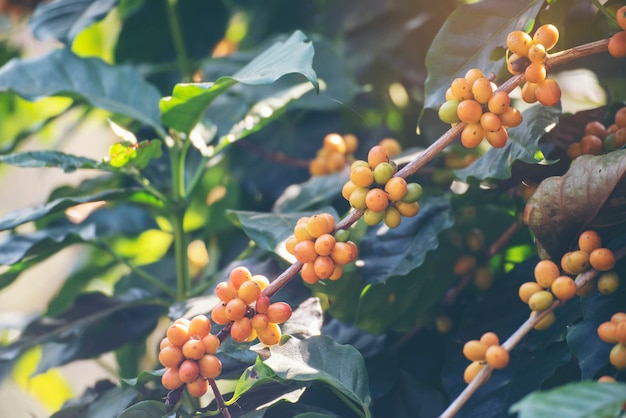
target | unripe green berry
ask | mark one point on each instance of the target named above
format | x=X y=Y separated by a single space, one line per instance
x=540 y=301
x=608 y=282
x=383 y=172
x=392 y=217
x=373 y=218
x=357 y=198
x=342 y=235
x=447 y=111
x=413 y=193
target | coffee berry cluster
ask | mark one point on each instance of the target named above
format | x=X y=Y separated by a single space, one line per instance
x=529 y=55
x=617 y=42
x=486 y=350
x=599 y=139
x=250 y=313
x=188 y=355
x=321 y=253
x=337 y=150
x=473 y=99
x=374 y=188
x=614 y=332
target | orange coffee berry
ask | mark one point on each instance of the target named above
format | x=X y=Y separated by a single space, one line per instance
x=602 y=259
x=497 y=357
x=210 y=366
x=188 y=371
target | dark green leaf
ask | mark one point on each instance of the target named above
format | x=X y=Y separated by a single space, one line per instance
x=575 y=400
x=320 y=358
x=143 y=378
x=396 y=252
x=62 y=20
x=269 y=230
x=522 y=145
x=453 y=51
x=111 y=403
x=117 y=89
x=183 y=109
x=58 y=159
x=21 y=216
x=316 y=191
x=254 y=376
x=13 y=248
x=145 y=409
x=589 y=194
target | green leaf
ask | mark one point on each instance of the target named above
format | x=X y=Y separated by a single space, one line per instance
x=574 y=400
x=37 y=159
x=322 y=359
x=254 y=376
x=13 y=248
x=21 y=216
x=316 y=191
x=62 y=20
x=143 y=378
x=111 y=403
x=396 y=252
x=145 y=409
x=522 y=145
x=118 y=89
x=183 y=109
x=269 y=230
x=589 y=194
x=453 y=52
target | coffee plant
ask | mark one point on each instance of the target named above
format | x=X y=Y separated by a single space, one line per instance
x=319 y=209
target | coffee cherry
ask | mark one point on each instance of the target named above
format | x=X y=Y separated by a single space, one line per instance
x=620 y=332
x=602 y=259
x=249 y=292
x=511 y=117
x=270 y=335
x=362 y=176
x=518 y=42
x=548 y=92
x=392 y=217
x=178 y=334
x=587 y=289
x=170 y=379
x=526 y=290
x=596 y=128
x=516 y=64
x=464 y=264
x=472 y=370
x=218 y=314
x=261 y=280
x=535 y=73
x=617 y=356
x=490 y=338
x=342 y=235
x=262 y=303
x=279 y=312
x=210 y=366
x=301 y=232
x=324 y=244
x=620 y=17
x=193 y=349
x=305 y=252
x=396 y=188
x=540 y=301
x=591 y=145
x=608 y=283
x=351 y=142
x=472 y=135
x=537 y=53
x=606 y=379
x=308 y=273
x=391 y=145
x=546 y=271
x=320 y=224
x=546 y=35
x=497 y=139
x=238 y=275
x=475 y=350
x=372 y=217
x=357 y=198
x=482 y=90
x=334 y=142
x=499 y=102
x=617 y=45
x=620 y=118
x=577 y=262
x=198 y=387
x=337 y=273
x=606 y=332
x=497 y=357
x=211 y=343
x=344 y=253
x=241 y=329
x=259 y=322
x=188 y=371
x=490 y=122
x=323 y=267
x=377 y=200
x=171 y=356
x=407 y=209
x=529 y=92
x=383 y=172
x=546 y=322
x=448 y=111
x=413 y=193
x=461 y=89
x=618 y=317
x=165 y=342
x=376 y=155
x=564 y=288
x=469 y=111
x=235 y=309
x=589 y=240
x=473 y=74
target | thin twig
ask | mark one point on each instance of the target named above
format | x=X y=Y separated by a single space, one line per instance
x=219 y=399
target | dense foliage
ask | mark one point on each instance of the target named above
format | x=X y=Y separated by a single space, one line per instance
x=220 y=107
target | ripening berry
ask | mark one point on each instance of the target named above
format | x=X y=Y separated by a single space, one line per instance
x=324 y=244
x=323 y=267
x=472 y=135
x=301 y=232
x=518 y=42
x=589 y=240
x=396 y=188
x=188 y=371
x=472 y=370
x=335 y=143
x=490 y=122
x=617 y=356
x=606 y=332
x=564 y=288
x=577 y=262
x=526 y=290
x=596 y=128
x=170 y=379
x=483 y=278
x=352 y=143
x=320 y=224
x=383 y=172
x=546 y=271
x=497 y=139
x=535 y=73
x=362 y=176
x=407 y=209
x=279 y=312
x=608 y=282
x=261 y=280
x=178 y=334
x=270 y=335
x=347 y=189
x=469 y=111
x=241 y=329
x=473 y=74
x=342 y=235
x=305 y=252
x=235 y=309
x=165 y=342
x=620 y=17
x=372 y=217
x=218 y=314
x=529 y=92
x=602 y=259
x=290 y=244
x=537 y=53
x=376 y=155
x=376 y=200
x=497 y=357
x=171 y=356
x=413 y=193
x=448 y=111
x=606 y=379
x=499 y=102
x=198 y=387
x=343 y=253
x=545 y=322
x=464 y=264
x=591 y=145
x=617 y=45
x=618 y=317
x=357 y=198
x=461 y=89
x=238 y=275
x=540 y=301
x=511 y=117
x=211 y=343
x=337 y=273
x=308 y=274
x=475 y=350
x=482 y=90
x=573 y=150
x=262 y=303
x=489 y=338
x=391 y=145
x=249 y=292
x=210 y=366
x=546 y=35
x=587 y=288
x=193 y=349
x=620 y=118
x=225 y=291
x=259 y=322
x=548 y=92
x=516 y=64
x=392 y=217
x=620 y=332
